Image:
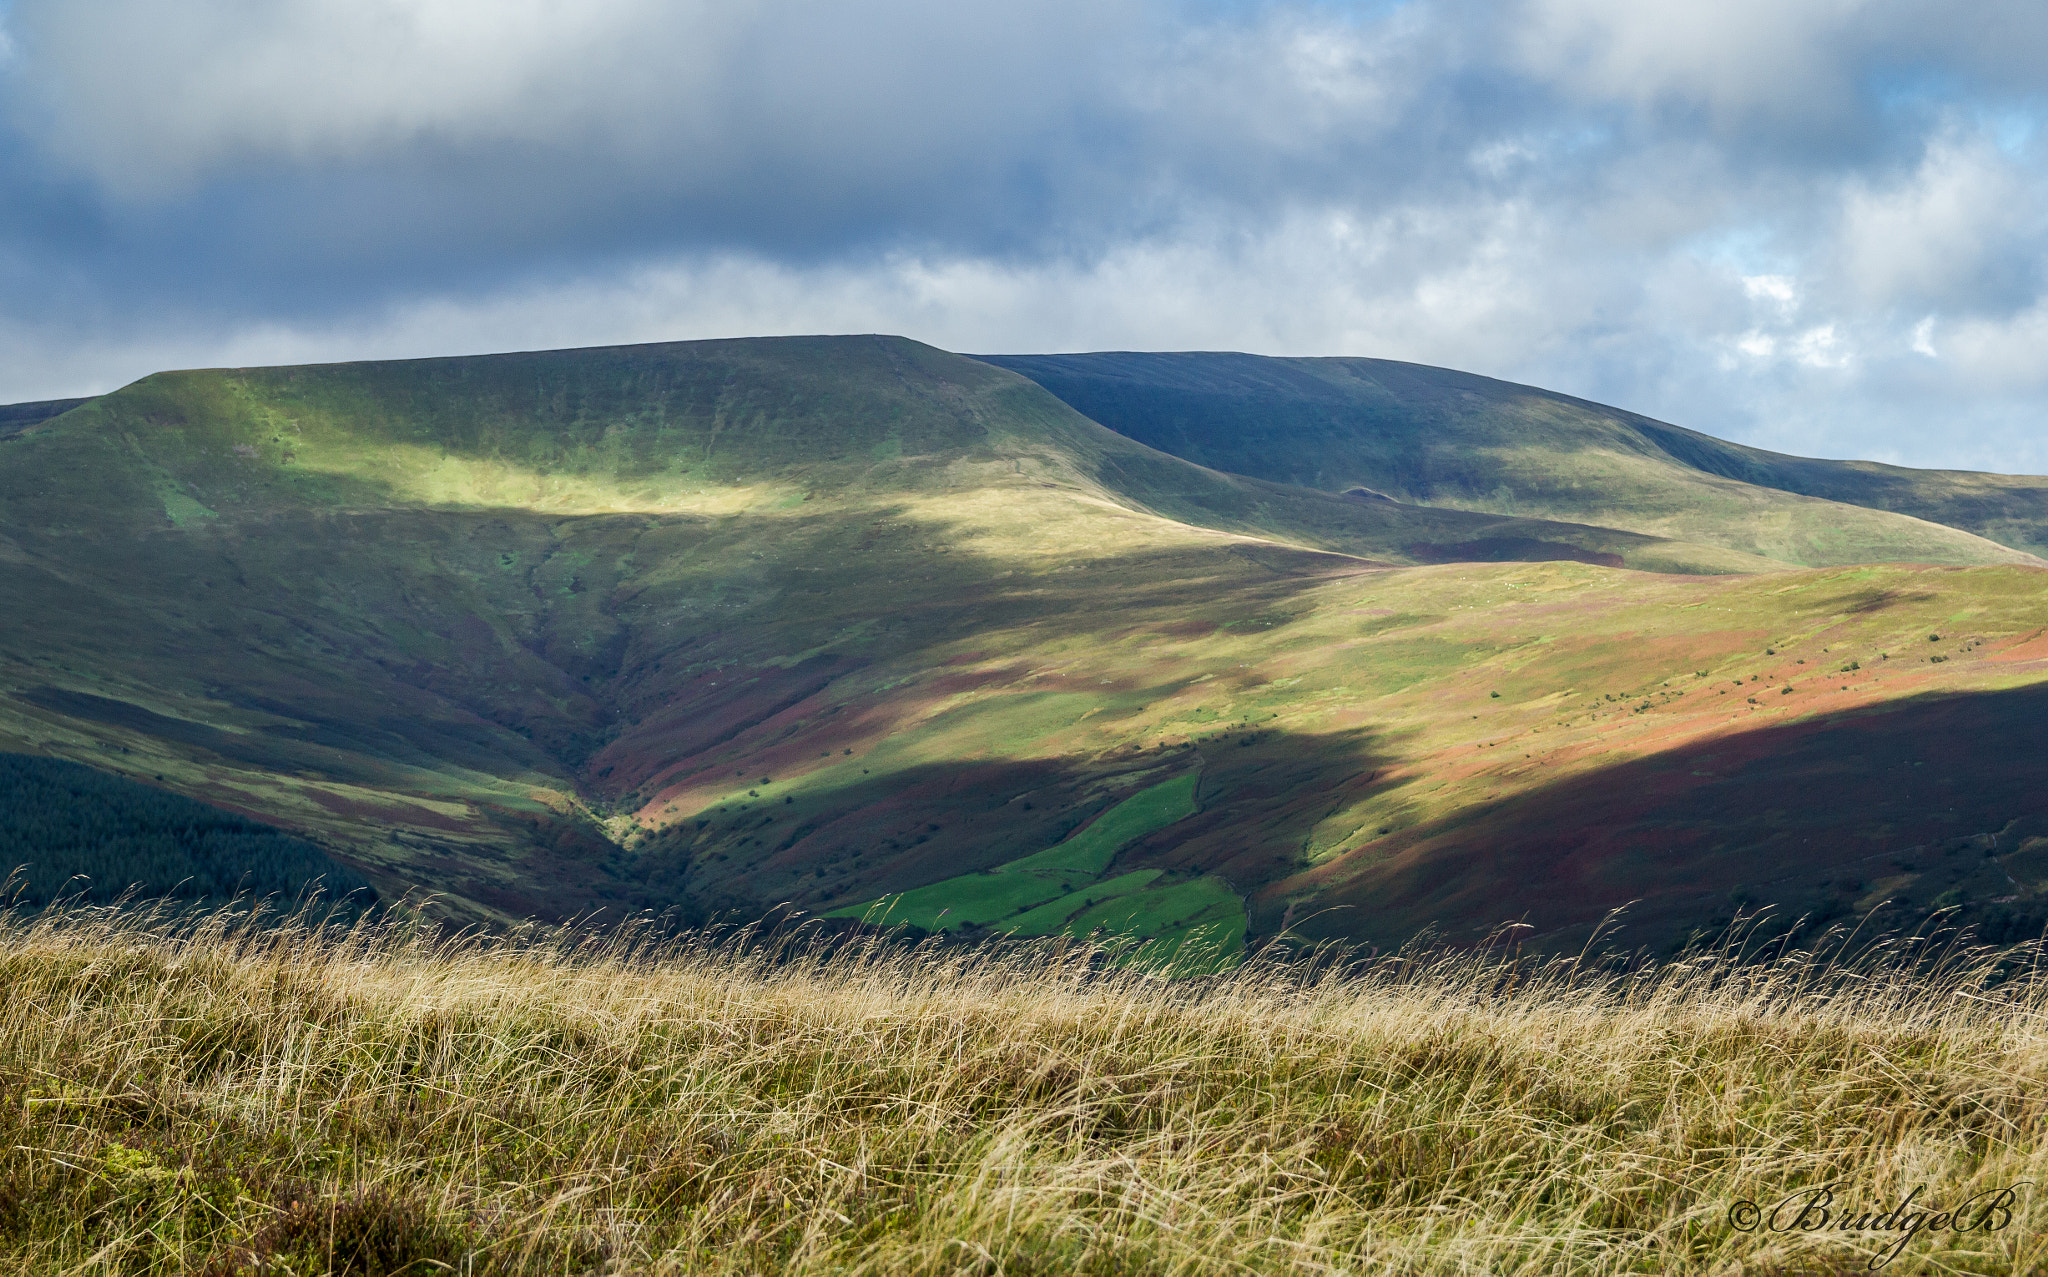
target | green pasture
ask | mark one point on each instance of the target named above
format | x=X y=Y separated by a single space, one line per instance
x=1059 y=890
x=1089 y=851
x=1055 y=915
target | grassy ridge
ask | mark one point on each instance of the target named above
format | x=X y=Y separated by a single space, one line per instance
x=1457 y=440
x=378 y=1102
x=471 y=622
x=703 y=428
x=2009 y=509
x=17 y=417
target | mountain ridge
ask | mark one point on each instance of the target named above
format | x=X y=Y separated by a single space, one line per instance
x=2011 y=510
x=1445 y=437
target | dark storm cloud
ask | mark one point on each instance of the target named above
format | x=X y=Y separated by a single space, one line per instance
x=310 y=138
x=1808 y=222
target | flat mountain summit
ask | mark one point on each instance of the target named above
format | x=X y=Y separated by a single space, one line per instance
x=1183 y=647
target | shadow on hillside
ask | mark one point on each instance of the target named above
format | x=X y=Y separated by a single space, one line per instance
x=411 y=652
x=510 y=642
x=1923 y=804
x=1261 y=794
x=604 y=652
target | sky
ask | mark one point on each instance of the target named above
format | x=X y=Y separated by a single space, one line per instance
x=1819 y=226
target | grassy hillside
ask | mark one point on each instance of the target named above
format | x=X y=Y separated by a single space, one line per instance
x=17 y=417
x=715 y=627
x=1068 y=889
x=1460 y=441
x=2009 y=509
x=405 y=607
x=705 y=428
x=380 y=1104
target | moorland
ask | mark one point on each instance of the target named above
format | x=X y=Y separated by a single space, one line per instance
x=1179 y=648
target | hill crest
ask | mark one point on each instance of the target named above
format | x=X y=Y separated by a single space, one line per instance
x=1447 y=438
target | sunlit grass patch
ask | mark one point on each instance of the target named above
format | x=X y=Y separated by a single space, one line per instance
x=1090 y=851
x=1057 y=915
x=1014 y=896
x=967 y=901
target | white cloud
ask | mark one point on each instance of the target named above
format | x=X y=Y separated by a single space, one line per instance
x=174 y=88
x=1949 y=233
x=2002 y=356
x=1732 y=57
x=1782 y=291
x=1320 y=284
x=1822 y=347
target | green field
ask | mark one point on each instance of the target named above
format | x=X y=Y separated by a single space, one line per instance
x=1063 y=888
x=1059 y=914
x=1089 y=851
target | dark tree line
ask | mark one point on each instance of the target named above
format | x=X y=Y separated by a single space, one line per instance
x=77 y=832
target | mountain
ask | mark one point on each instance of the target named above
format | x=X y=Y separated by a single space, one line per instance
x=866 y=628
x=1455 y=440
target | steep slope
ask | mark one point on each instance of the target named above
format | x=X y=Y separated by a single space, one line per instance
x=17 y=417
x=719 y=626
x=1456 y=440
x=702 y=426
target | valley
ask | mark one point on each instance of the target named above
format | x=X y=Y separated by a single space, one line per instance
x=858 y=627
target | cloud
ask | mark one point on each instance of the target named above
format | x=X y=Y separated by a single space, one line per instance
x=1732 y=60
x=1817 y=224
x=1960 y=233
x=680 y=99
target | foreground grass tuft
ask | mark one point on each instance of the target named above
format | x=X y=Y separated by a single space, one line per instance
x=235 y=1099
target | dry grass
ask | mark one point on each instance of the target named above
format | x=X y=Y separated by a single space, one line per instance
x=231 y=1098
